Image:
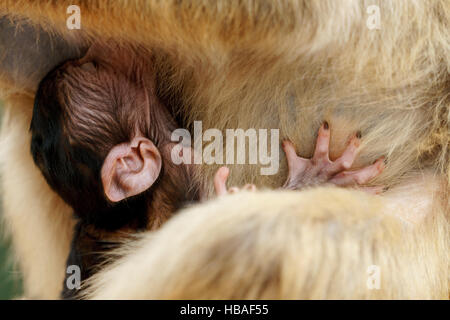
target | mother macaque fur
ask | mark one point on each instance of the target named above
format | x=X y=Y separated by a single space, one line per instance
x=266 y=64
x=265 y=245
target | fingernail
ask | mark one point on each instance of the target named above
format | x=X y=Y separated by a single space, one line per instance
x=382 y=163
x=358 y=134
x=384 y=160
x=325 y=125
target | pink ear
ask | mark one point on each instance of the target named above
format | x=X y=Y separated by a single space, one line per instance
x=130 y=168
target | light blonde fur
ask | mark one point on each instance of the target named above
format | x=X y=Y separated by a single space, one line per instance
x=261 y=64
x=317 y=244
x=38 y=221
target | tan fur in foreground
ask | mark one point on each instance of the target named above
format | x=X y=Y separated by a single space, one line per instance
x=280 y=245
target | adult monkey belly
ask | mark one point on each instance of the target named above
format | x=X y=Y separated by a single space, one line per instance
x=253 y=64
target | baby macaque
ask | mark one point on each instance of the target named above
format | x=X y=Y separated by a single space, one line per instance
x=101 y=138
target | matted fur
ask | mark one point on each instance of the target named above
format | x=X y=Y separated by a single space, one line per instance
x=259 y=64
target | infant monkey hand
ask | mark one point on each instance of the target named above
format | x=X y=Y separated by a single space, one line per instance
x=320 y=170
x=220 y=180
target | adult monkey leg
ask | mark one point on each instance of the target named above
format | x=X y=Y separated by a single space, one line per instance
x=323 y=243
x=38 y=221
x=293 y=64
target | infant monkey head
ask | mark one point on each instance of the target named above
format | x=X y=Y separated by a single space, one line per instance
x=100 y=135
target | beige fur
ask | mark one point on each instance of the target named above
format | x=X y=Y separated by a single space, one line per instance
x=258 y=64
x=317 y=244
x=40 y=224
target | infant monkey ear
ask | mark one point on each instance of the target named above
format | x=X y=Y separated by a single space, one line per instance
x=130 y=168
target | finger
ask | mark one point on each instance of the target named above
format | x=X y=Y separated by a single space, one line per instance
x=345 y=161
x=295 y=163
x=289 y=150
x=220 y=180
x=249 y=187
x=233 y=190
x=322 y=143
x=361 y=176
